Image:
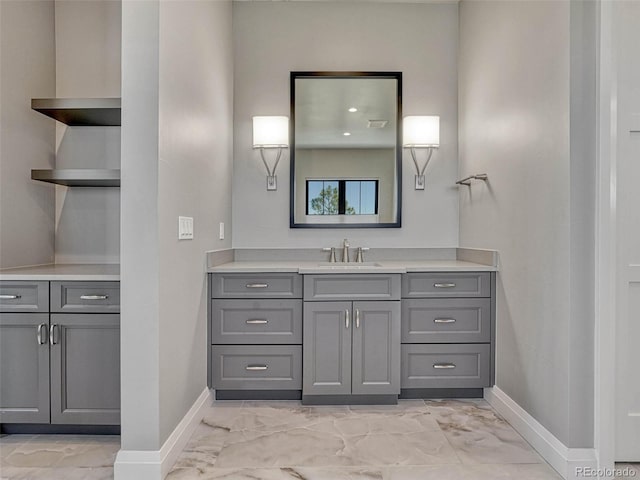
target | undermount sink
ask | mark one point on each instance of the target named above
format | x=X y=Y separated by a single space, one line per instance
x=349 y=266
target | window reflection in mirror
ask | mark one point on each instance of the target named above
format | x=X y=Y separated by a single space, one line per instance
x=345 y=156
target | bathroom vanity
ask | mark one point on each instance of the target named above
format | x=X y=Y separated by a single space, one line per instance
x=349 y=333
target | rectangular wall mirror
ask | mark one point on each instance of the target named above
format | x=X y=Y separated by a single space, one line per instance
x=346 y=150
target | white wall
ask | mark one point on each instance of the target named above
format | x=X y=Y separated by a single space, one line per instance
x=273 y=38
x=519 y=87
x=87 y=44
x=27 y=139
x=176 y=160
x=195 y=168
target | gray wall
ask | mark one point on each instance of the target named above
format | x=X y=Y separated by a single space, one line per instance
x=195 y=167
x=87 y=59
x=520 y=69
x=177 y=160
x=273 y=38
x=27 y=139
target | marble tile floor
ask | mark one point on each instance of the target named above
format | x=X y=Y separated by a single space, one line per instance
x=415 y=440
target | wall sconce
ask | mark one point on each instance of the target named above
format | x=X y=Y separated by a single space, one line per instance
x=421 y=132
x=271 y=132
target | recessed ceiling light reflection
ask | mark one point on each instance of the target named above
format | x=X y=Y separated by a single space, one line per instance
x=346 y=134
x=353 y=109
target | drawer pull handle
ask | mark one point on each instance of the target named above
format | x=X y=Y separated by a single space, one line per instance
x=257 y=285
x=10 y=297
x=441 y=366
x=444 y=285
x=94 y=297
x=347 y=314
x=52 y=334
x=444 y=320
x=256 y=367
x=257 y=321
x=41 y=340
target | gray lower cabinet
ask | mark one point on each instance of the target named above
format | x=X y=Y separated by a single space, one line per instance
x=59 y=368
x=351 y=348
x=24 y=368
x=85 y=369
x=255 y=335
x=448 y=331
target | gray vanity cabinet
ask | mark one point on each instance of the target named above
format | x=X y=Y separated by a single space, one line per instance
x=351 y=348
x=255 y=335
x=85 y=369
x=448 y=331
x=24 y=368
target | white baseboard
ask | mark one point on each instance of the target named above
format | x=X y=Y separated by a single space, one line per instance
x=156 y=464
x=566 y=461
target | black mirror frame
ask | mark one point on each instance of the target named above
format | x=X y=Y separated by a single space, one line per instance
x=292 y=148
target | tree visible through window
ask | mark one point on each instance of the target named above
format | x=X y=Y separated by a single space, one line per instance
x=342 y=197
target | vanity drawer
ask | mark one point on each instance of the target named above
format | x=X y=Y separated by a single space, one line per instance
x=256 y=321
x=425 y=285
x=352 y=287
x=256 y=285
x=251 y=367
x=446 y=320
x=446 y=366
x=85 y=297
x=24 y=296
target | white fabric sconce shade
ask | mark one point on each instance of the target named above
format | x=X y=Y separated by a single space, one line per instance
x=421 y=131
x=270 y=132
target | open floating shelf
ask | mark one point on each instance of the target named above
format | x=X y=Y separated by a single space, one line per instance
x=78 y=177
x=86 y=112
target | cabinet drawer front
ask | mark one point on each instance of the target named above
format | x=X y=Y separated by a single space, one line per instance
x=421 y=285
x=454 y=320
x=86 y=297
x=352 y=287
x=256 y=321
x=257 y=367
x=24 y=296
x=446 y=366
x=256 y=285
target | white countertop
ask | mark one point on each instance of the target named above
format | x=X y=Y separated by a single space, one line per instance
x=62 y=272
x=395 y=266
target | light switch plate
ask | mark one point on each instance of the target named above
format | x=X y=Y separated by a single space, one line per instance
x=185 y=228
x=221 y=230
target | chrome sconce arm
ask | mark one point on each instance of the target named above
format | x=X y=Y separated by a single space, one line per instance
x=420 y=182
x=272 y=180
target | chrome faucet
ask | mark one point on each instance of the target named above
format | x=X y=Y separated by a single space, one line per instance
x=345 y=250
